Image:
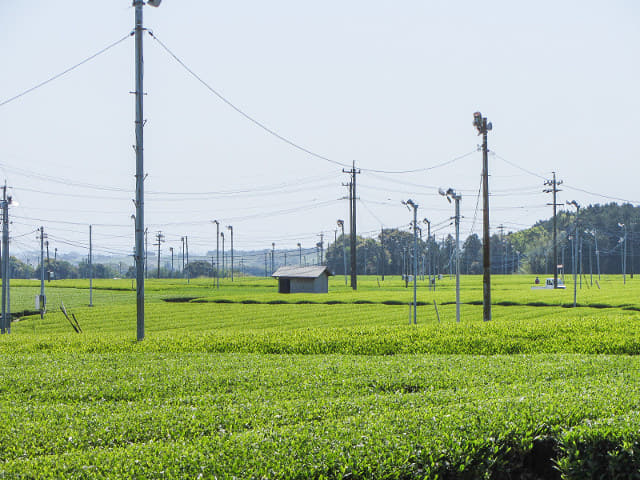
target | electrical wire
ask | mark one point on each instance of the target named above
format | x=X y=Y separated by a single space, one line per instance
x=55 y=77
x=517 y=166
x=242 y=112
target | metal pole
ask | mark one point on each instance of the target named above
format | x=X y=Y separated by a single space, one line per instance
x=415 y=262
x=231 y=229
x=6 y=318
x=217 y=253
x=186 y=245
x=42 y=300
x=344 y=252
x=457 y=199
x=483 y=127
x=139 y=30
x=90 y=267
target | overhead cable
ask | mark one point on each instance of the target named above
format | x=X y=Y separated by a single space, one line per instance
x=55 y=77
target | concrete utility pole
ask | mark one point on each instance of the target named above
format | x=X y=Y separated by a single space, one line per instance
x=139 y=148
x=483 y=128
x=160 y=239
x=217 y=252
x=321 y=246
x=575 y=252
x=344 y=251
x=6 y=261
x=352 y=220
x=90 y=265
x=230 y=227
x=171 y=250
x=299 y=254
x=410 y=204
x=451 y=193
x=554 y=190
x=42 y=297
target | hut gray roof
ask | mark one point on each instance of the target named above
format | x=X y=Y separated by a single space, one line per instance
x=301 y=272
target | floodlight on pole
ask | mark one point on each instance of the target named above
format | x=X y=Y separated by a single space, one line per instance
x=451 y=194
x=484 y=127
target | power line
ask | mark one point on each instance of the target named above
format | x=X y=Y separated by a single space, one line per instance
x=242 y=112
x=55 y=77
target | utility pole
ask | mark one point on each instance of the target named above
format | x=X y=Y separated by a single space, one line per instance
x=483 y=128
x=451 y=193
x=42 y=297
x=299 y=254
x=171 y=250
x=344 y=251
x=575 y=251
x=55 y=263
x=410 y=203
x=230 y=227
x=321 y=245
x=90 y=265
x=266 y=272
x=6 y=261
x=217 y=253
x=352 y=219
x=553 y=184
x=160 y=239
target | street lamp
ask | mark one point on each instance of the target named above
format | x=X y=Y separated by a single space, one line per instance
x=451 y=194
x=411 y=204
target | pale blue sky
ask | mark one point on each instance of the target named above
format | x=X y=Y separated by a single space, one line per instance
x=391 y=85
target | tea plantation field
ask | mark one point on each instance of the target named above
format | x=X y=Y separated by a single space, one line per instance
x=243 y=382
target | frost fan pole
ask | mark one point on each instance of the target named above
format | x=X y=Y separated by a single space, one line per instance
x=138 y=4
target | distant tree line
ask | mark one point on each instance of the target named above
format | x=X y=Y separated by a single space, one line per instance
x=525 y=251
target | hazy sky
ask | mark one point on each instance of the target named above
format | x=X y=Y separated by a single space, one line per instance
x=391 y=85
